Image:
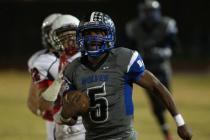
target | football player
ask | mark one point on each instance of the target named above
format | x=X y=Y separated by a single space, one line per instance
x=59 y=33
x=106 y=74
x=154 y=36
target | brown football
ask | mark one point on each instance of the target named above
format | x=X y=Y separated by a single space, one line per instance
x=79 y=100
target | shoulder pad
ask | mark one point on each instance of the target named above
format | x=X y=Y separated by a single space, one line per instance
x=170 y=25
x=123 y=56
x=34 y=57
x=46 y=64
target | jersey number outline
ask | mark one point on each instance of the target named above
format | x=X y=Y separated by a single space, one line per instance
x=98 y=104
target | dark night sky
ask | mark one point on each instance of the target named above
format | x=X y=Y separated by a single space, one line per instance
x=21 y=21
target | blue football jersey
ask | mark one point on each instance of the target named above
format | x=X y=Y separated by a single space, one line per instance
x=109 y=86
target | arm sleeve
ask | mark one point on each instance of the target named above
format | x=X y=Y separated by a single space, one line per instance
x=136 y=67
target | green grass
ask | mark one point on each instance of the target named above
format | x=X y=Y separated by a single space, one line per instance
x=17 y=122
x=192 y=96
x=191 y=93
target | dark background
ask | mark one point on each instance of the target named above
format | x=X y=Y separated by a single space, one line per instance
x=21 y=21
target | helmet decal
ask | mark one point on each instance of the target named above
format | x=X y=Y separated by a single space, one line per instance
x=96 y=16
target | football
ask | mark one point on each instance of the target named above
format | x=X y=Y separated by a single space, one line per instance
x=77 y=102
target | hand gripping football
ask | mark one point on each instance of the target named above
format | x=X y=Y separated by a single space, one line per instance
x=75 y=103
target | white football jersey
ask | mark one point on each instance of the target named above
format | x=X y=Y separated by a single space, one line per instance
x=44 y=65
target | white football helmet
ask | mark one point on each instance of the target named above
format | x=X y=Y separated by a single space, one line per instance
x=46 y=28
x=62 y=24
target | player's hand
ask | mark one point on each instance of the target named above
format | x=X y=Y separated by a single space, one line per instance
x=184 y=132
x=75 y=103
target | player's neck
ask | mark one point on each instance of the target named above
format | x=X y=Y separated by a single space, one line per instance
x=96 y=60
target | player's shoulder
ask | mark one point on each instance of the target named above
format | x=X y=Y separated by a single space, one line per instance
x=167 y=19
x=126 y=54
x=42 y=60
x=121 y=52
x=170 y=24
x=123 y=56
x=35 y=56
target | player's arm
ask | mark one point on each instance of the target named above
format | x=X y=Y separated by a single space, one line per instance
x=138 y=74
x=38 y=87
x=51 y=93
x=150 y=82
x=33 y=101
x=64 y=116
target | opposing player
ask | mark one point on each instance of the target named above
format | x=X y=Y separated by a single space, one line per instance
x=64 y=35
x=45 y=67
x=106 y=75
x=154 y=36
x=40 y=79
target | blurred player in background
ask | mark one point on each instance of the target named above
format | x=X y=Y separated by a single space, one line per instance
x=58 y=36
x=106 y=74
x=154 y=36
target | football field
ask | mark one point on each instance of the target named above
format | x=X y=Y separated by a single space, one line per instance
x=191 y=93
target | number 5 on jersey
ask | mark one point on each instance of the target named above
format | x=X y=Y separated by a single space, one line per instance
x=98 y=104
